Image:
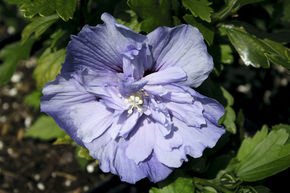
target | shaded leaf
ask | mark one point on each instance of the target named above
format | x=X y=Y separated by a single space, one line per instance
x=48 y=66
x=133 y=23
x=286 y=11
x=226 y=54
x=154 y=13
x=11 y=55
x=205 y=30
x=44 y=128
x=229 y=118
x=38 y=26
x=180 y=184
x=199 y=8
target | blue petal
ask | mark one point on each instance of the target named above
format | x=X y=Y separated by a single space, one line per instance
x=59 y=97
x=100 y=47
x=195 y=140
x=92 y=120
x=182 y=46
x=141 y=141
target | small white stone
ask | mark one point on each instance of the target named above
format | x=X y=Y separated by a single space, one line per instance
x=3 y=119
x=11 y=30
x=16 y=77
x=27 y=122
x=40 y=186
x=67 y=183
x=36 y=177
x=5 y=106
x=10 y=151
x=13 y=92
x=90 y=168
x=86 y=188
x=1 y=145
x=244 y=88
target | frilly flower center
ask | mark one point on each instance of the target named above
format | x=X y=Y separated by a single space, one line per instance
x=135 y=101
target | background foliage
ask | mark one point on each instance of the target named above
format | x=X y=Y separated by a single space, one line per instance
x=254 y=33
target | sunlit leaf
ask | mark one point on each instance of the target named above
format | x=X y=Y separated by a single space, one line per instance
x=65 y=8
x=263 y=155
x=256 y=52
x=48 y=66
x=44 y=128
x=38 y=26
x=199 y=8
x=33 y=99
x=41 y=7
x=84 y=153
x=11 y=55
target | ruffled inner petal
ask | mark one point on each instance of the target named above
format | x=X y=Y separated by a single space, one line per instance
x=191 y=114
x=166 y=76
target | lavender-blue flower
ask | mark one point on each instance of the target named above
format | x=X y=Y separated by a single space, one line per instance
x=127 y=98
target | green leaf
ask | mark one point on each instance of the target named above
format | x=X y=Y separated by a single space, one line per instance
x=66 y=139
x=226 y=54
x=262 y=189
x=11 y=55
x=199 y=8
x=65 y=8
x=18 y=2
x=249 y=144
x=84 y=153
x=263 y=155
x=251 y=50
x=231 y=6
x=205 y=30
x=283 y=126
x=154 y=13
x=286 y=12
x=38 y=26
x=257 y=52
x=133 y=23
x=56 y=36
x=33 y=99
x=44 y=128
x=229 y=118
x=41 y=7
x=180 y=184
x=48 y=66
